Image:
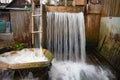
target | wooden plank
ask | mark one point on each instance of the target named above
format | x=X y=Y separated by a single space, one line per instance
x=36 y=32
x=65 y=8
x=32 y=19
x=80 y=2
x=21 y=25
x=37 y=15
x=92 y=29
x=111 y=8
x=95 y=9
x=28 y=65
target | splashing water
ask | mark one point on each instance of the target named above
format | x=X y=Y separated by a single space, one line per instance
x=30 y=77
x=23 y=56
x=77 y=71
x=6 y=75
x=66 y=39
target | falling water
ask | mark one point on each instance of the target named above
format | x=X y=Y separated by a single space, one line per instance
x=6 y=75
x=66 y=39
x=66 y=36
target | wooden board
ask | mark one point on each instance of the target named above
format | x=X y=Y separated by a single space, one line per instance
x=65 y=8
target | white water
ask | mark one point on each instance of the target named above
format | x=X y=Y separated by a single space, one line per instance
x=66 y=39
x=78 y=71
x=66 y=36
x=23 y=56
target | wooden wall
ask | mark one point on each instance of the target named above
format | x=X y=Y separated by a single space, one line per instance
x=111 y=8
x=93 y=16
x=109 y=36
x=21 y=25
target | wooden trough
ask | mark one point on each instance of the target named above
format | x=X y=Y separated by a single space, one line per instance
x=6 y=66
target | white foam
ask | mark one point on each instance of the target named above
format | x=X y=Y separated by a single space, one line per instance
x=68 y=70
x=23 y=56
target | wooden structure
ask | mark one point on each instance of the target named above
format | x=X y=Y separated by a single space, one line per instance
x=21 y=25
x=36 y=30
x=71 y=9
x=20 y=19
x=93 y=17
x=21 y=70
x=80 y=2
x=7 y=66
x=111 y=8
x=110 y=47
x=92 y=21
x=109 y=40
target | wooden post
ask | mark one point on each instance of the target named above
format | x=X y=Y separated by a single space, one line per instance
x=32 y=21
x=93 y=17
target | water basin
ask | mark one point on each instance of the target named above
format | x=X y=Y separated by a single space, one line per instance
x=8 y=66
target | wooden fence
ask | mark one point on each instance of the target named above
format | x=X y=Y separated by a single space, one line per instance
x=111 y=8
x=21 y=25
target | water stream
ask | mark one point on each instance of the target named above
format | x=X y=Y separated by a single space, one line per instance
x=66 y=39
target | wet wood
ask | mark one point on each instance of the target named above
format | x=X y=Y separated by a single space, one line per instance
x=92 y=21
x=65 y=8
x=106 y=63
x=109 y=41
x=92 y=29
x=44 y=28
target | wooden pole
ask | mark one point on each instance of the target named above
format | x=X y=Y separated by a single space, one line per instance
x=33 y=4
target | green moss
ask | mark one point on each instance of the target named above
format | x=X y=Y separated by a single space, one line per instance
x=17 y=46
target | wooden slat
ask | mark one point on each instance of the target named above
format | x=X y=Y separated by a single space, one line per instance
x=33 y=5
x=37 y=15
x=36 y=32
x=111 y=8
x=65 y=9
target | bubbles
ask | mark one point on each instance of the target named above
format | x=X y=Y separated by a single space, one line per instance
x=78 y=71
x=23 y=56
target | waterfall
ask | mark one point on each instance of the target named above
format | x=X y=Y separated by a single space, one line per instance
x=66 y=39
x=66 y=36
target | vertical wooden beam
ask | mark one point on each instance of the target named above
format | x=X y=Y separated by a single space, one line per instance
x=44 y=27
x=93 y=24
x=32 y=21
x=65 y=2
